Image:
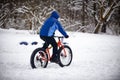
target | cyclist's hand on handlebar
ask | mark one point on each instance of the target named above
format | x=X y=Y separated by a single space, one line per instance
x=66 y=36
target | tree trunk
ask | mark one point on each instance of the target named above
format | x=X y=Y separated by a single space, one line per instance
x=97 y=28
x=103 y=18
x=94 y=8
x=83 y=13
x=103 y=29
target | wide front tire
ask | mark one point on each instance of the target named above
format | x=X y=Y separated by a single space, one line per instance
x=65 y=60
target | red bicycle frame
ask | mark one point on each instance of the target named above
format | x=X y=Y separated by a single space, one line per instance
x=59 y=44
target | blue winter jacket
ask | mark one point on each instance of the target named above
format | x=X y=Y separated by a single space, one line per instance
x=51 y=25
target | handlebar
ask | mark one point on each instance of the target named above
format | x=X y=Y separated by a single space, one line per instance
x=59 y=36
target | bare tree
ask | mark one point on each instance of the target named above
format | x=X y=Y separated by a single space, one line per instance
x=105 y=13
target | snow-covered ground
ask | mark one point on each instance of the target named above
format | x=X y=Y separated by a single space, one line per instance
x=95 y=57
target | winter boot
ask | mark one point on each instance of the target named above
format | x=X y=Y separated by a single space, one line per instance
x=54 y=58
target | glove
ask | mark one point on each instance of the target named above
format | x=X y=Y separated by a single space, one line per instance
x=66 y=36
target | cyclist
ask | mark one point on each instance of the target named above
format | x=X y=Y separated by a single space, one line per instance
x=47 y=33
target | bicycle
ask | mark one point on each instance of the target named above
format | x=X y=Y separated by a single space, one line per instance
x=40 y=56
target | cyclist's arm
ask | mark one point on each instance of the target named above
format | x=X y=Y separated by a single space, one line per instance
x=60 y=28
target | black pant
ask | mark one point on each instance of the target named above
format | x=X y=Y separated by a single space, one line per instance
x=50 y=40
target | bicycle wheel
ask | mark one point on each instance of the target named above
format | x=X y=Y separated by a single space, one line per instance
x=39 y=58
x=65 y=60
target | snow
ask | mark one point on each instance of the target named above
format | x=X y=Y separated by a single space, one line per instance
x=95 y=57
x=22 y=9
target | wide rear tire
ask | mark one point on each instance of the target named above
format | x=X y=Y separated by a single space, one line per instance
x=39 y=58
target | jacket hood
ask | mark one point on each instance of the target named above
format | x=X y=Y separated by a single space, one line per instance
x=55 y=14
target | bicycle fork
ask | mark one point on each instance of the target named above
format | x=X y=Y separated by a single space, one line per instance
x=64 y=51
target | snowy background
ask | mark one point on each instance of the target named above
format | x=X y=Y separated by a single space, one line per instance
x=91 y=16
x=95 y=57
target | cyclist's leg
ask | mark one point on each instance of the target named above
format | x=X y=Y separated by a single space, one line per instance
x=46 y=44
x=55 y=50
x=51 y=40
